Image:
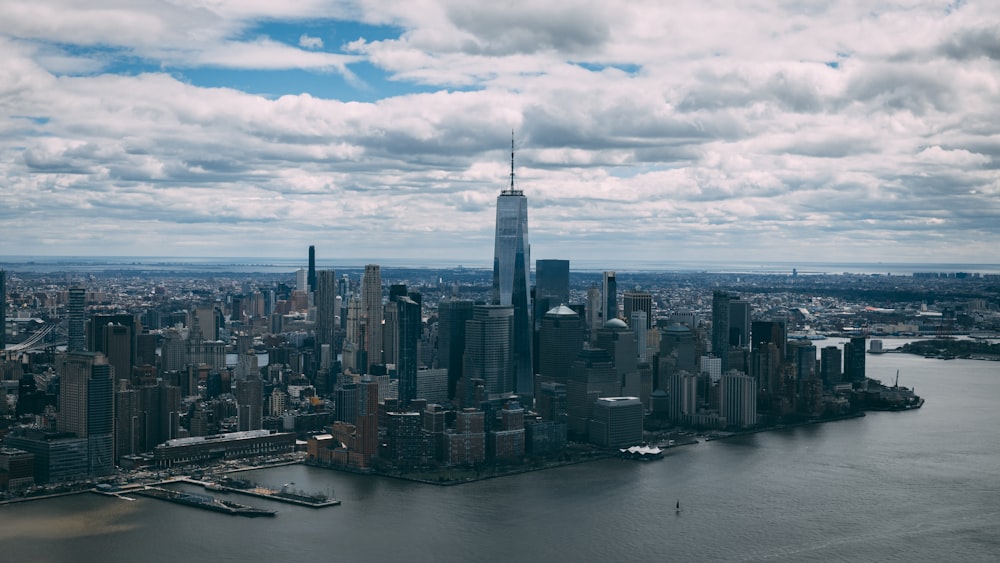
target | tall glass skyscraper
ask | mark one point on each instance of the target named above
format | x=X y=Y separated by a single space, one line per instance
x=511 y=260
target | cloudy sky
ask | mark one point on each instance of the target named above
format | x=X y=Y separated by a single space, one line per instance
x=645 y=130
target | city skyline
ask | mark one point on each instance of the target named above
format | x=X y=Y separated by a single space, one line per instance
x=679 y=133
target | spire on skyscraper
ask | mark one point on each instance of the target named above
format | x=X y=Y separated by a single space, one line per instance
x=511 y=261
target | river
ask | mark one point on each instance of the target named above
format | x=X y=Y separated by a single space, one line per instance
x=910 y=486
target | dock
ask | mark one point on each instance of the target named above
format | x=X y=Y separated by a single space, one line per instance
x=279 y=495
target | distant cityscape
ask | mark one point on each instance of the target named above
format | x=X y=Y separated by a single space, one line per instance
x=442 y=375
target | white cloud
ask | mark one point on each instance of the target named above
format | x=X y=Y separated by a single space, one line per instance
x=307 y=42
x=693 y=130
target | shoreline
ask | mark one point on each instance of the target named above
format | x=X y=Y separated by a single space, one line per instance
x=428 y=479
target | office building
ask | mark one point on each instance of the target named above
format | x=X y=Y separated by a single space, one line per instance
x=488 y=349
x=738 y=399
x=432 y=385
x=594 y=311
x=511 y=268
x=617 y=339
x=452 y=316
x=720 y=326
x=765 y=367
x=633 y=301
x=637 y=322
x=592 y=376
x=17 y=468
x=854 y=359
x=805 y=362
x=616 y=422
x=830 y=365
x=551 y=286
x=678 y=352
x=609 y=304
x=117 y=346
x=59 y=456
x=86 y=407
x=250 y=403
x=76 y=326
x=739 y=323
x=769 y=332
x=560 y=341
x=345 y=400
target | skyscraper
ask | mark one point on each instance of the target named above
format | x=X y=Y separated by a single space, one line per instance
x=763 y=333
x=551 y=285
x=326 y=307
x=511 y=267
x=452 y=315
x=408 y=330
x=739 y=323
x=738 y=399
x=87 y=407
x=488 y=354
x=3 y=309
x=371 y=302
x=854 y=359
x=560 y=342
x=311 y=274
x=638 y=301
x=250 y=402
x=75 y=312
x=594 y=311
x=831 y=360
x=720 y=326
x=609 y=306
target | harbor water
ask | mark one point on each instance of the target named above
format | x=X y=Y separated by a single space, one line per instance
x=922 y=485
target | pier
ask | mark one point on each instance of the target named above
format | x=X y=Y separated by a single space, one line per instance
x=204 y=501
x=280 y=495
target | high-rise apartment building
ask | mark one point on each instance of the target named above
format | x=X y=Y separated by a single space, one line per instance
x=326 y=307
x=511 y=268
x=311 y=273
x=408 y=331
x=3 y=309
x=367 y=420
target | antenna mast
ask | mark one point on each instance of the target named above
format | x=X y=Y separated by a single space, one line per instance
x=511 y=160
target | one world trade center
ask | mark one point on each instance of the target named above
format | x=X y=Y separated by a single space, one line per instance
x=511 y=259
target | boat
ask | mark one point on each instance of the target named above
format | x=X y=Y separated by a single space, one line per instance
x=895 y=398
x=678 y=508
